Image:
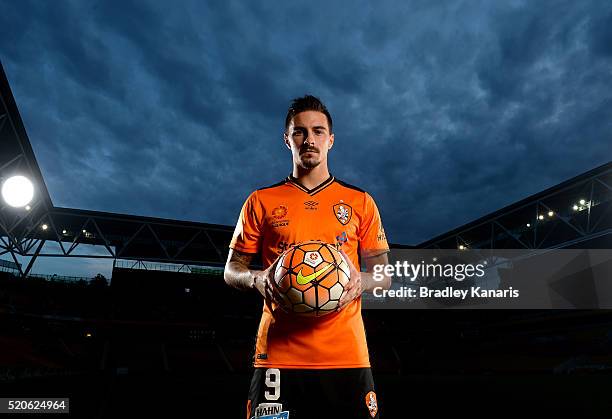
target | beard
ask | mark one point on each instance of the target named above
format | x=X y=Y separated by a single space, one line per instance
x=311 y=161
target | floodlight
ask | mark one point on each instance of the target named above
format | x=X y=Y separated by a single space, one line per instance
x=17 y=191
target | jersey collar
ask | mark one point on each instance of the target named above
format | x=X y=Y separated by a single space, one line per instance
x=314 y=190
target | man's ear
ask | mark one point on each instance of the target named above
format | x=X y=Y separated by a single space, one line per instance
x=286 y=138
x=331 y=141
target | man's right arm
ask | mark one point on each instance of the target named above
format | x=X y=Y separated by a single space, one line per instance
x=237 y=273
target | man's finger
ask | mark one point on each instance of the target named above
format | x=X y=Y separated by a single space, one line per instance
x=348 y=260
x=276 y=260
x=283 y=305
x=272 y=290
x=343 y=303
x=345 y=298
x=273 y=284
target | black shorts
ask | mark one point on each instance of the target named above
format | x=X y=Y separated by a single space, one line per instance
x=307 y=394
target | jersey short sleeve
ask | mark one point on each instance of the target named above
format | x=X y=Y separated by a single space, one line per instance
x=247 y=234
x=372 y=239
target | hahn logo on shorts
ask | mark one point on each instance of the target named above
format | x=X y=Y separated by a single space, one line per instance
x=270 y=411
x=372 y=404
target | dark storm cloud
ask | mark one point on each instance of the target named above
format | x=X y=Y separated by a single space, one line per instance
x=444 y=112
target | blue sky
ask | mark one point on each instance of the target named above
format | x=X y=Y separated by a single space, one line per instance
x=443 y=111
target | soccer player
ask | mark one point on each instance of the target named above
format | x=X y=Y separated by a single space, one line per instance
x=308 y=367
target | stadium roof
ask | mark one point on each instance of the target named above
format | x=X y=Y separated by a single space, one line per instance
x=576 y=211
x=123 y=236
x=17 y=156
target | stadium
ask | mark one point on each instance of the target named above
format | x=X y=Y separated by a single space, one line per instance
x=157 y=338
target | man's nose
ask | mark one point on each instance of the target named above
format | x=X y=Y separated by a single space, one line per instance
x=309 y=138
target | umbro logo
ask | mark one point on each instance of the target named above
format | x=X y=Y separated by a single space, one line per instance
x=311 y=205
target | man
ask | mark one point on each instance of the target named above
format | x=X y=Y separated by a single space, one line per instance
x=309 y=367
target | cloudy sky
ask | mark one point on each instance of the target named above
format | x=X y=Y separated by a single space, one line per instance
x=443 y=111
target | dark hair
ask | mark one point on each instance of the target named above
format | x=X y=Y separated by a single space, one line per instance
x=307 y=103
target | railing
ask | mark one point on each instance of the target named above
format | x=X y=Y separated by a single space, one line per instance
x=168 y=267
x=61 y=278
x=51 y=277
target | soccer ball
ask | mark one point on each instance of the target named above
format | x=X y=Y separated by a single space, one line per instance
x=311 y=277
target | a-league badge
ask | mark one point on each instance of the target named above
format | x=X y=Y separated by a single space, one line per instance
x=343 y=212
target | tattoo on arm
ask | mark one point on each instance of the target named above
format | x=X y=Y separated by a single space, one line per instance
x=241 y=258
x=236 y=273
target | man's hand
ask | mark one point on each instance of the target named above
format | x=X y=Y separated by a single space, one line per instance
x=238 y=275
x=361 y=282
x=263 y=281
x=354 y=288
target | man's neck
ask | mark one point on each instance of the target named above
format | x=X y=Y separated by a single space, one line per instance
x=311 y=178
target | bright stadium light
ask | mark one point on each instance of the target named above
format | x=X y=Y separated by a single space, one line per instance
x=540 y=217
x=17 y=191
x=575 y=207
x=461 y=247
x=582 y=202
x=528 y=225
x=44 y=226
x=550 y=213
x=63 y=231
x=28 y=208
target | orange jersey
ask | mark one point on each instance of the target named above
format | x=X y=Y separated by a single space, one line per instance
x=274 y=218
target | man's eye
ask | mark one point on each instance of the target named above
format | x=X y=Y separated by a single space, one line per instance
x=296 y=133
x=318 y=132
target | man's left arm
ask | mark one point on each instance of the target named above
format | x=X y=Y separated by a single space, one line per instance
x=367 y=278
x=373 y=247
x=361 y=282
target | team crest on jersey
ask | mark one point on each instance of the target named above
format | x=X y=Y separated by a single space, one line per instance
x=270 y=411
x=372 y=404
x=343 y=212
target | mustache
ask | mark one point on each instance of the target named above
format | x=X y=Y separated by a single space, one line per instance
x=308 y=149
